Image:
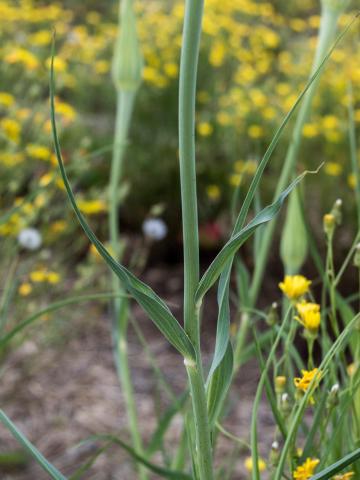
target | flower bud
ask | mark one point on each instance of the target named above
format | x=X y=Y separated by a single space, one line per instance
x=128 y=61
x=333 y=398
x=337 y=211
x=280 y=384
x=285 y=407
x=329 y=223
x=273 y=316
x=294 y=244
x=274 y=453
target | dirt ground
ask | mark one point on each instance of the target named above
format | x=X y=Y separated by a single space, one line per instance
x=60 y=391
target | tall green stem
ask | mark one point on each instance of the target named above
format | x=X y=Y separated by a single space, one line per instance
x=327 y=31
x=187 y=92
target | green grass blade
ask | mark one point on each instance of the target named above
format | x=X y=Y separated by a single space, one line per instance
x=153 y=305
x=219 y=385
x=29 y=447
x=52 y=308
x=337 y=466
x=162 y=472
x=236 y=241
x=89 y=463
x=164 y=423
x=263 y=377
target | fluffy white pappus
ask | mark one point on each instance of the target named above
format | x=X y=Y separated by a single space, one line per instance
x=30 y=238
x=154 y=228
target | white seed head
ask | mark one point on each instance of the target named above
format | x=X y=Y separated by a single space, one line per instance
x=275 y=445
x=30 y=238
x=274 y=305
x=154 y=228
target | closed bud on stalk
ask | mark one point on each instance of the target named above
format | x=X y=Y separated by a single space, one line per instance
x=337 y=211
x=294 y=244
x=128 y=61
x=357 y=256
x=329 y=223
x=280 y=384
x=333 y=398
x=285 y=407
x=274 y=453
x=273 y=316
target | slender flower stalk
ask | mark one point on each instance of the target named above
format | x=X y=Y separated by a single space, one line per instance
x=127 y=72
x=187 y=92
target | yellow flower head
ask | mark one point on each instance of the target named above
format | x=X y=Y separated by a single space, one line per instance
x=306 y=470
x=344 y=476
x=307 y=376
x=249 y=464
x=294 y=286
x=25 y=289
x=309 y=315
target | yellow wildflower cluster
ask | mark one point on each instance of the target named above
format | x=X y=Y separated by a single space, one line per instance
x=44 y=276
x=306 y=470
x=249 y=464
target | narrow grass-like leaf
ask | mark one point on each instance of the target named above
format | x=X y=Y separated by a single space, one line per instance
x=338 y=466
x=52 y=308
x=236 y=241
x=153 y=305
x=162 y=472
x=219 y=385
x=89 y=463
x=164 y=423
x=264 y=373
x=29 y=447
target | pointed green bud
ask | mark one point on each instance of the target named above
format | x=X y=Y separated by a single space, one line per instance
x=128 y=61
x=294 y=244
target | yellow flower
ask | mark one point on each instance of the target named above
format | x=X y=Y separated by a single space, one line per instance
x=58 y=226
x=295 y=286
x=205 y=129
x=38 y=151
x=333 y=169
x=41 y=276
x=6 y=99
x=53 y=277
x=307 y=377
x=235 y=179
x=92 y=207
x=249 y=464
x=310 y=130
x=309 y=315
x=306 y=470
x=344 y=476
x=213 y=192
x=255 y=131
x=25 y=289
x=41 y=38
x=20 y=55
x=11 y=129
x=38 y=276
